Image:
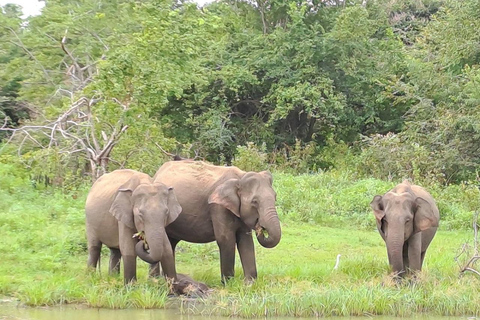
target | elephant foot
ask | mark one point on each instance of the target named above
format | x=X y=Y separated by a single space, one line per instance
x=225 y=279
x=249 y=281
x=189 y=287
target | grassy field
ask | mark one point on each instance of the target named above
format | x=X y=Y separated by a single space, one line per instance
x=43 y=252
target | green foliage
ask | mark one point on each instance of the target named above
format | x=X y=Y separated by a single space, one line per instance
x=138 y=149
x=297 y=77
x=10 y=109
x=251 y=157
x=394 y=157
x=299 y=158
x=295 y=279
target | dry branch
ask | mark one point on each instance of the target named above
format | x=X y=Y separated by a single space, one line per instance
x=466 y=248
x=74 y=132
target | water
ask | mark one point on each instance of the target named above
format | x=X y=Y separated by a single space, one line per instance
x=11 y=311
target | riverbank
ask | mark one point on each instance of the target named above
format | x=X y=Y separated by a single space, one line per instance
x=44 y=255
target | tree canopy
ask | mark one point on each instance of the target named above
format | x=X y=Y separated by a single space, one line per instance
x=300 y=84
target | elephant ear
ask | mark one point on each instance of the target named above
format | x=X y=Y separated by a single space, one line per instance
x=174 y=208
x=122 y=207
x=424 y=215
x=226 y=195
x=377 y=207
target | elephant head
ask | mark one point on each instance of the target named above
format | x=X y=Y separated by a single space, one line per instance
x=400 y=214
x=252 y=199
x=148 y=208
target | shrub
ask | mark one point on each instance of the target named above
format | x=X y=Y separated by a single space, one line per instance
x=299 y=158
x=392 y=157
x=251 y=157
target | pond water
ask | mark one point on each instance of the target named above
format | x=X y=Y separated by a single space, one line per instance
x=12 y=311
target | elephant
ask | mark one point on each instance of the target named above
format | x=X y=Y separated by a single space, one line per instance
x=189 y=287
x=223 y=204
x=407 y=219
x=125 y=205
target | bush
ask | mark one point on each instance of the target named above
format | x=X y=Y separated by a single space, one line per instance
x=251 y=157
x=297 y=159
x=392 y=157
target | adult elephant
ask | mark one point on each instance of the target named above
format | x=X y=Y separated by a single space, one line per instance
x=223 y=204
x=125 y=203
x=407 y=219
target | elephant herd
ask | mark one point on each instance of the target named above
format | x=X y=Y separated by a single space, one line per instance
x=135 y=215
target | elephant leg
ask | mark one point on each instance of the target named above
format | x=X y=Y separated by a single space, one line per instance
x=115 y=256
x=406 y=262
x=168 y=264
x=246 y=251
x=225 y=226
x=422 y=257
x=227 y=258
x=173 y=243
x=94 y=250
x=129 y=268
x=127 y=248
x=415 y=251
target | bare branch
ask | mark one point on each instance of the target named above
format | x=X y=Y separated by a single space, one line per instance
x=5 y=121
x=73 y=132
x=21 y=45
x=69 y=54
x=100 y=40
x=165 y=152
x=125 y=107
x=465 y=249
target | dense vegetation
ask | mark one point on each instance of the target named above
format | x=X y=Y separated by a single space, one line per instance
x=391 y=84
x=44 y=255
x=340 y=99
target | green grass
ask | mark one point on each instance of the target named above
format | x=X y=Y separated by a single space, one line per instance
x=43 y=253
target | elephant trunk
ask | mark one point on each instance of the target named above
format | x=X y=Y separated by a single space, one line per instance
x=395 y=241
x=268 y=229
x=157 y=239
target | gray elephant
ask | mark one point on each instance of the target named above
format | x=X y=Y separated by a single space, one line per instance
x=223 y=204
x=126 y=204
x=407 y=219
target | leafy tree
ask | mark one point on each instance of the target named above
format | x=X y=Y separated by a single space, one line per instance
x=11 y=111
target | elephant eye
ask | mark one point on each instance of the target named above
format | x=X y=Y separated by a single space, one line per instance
x=254 y=201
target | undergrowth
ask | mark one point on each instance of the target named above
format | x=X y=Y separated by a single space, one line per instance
x=44 y=253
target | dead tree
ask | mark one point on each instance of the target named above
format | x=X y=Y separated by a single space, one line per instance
x=74 y=131
x=469 y=265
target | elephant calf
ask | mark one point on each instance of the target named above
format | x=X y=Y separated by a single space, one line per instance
x=407 y=219
x=122 y=206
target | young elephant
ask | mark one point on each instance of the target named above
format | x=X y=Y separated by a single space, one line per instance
x=122 y=204
x=407 y=219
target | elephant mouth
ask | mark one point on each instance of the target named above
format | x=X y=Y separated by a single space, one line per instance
x=141 y=237
x=259 y=230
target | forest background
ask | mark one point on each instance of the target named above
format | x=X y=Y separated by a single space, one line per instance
x=387 y=89
x=341 y=100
